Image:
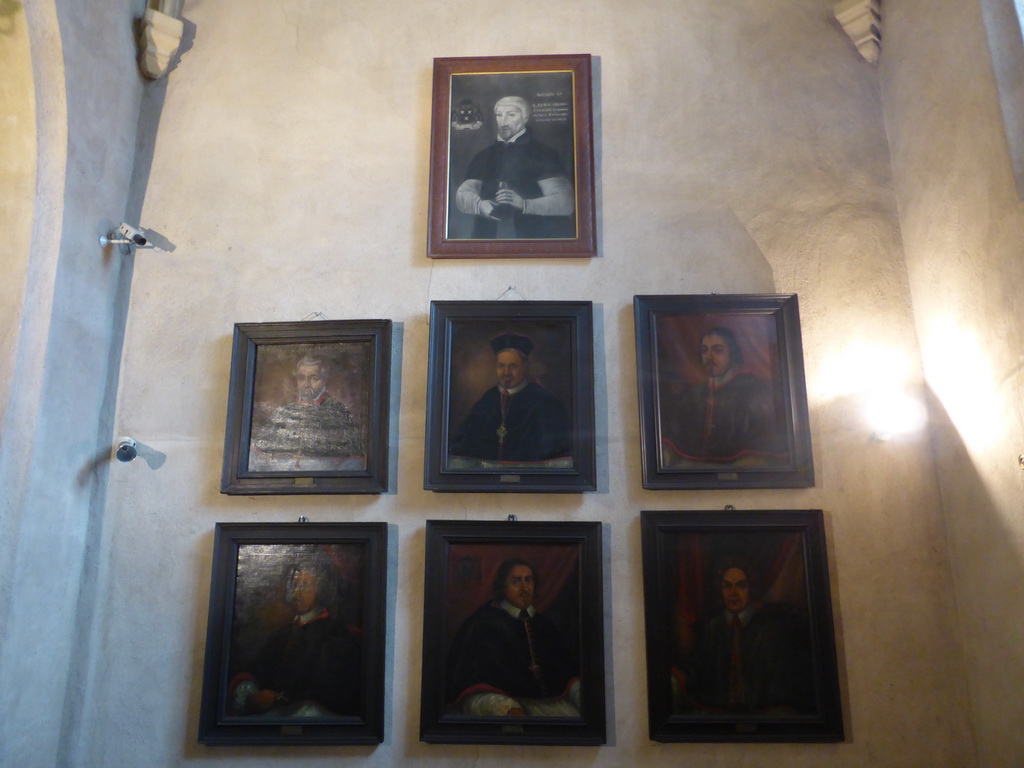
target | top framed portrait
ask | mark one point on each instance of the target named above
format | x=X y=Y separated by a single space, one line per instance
x=308 y=408
x=512 y=159
x=723 y=402
x=510 y=397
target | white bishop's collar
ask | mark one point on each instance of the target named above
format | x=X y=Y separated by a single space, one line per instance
x=514 y=390
x=512 y=611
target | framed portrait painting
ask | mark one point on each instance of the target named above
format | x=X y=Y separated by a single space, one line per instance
x=740 y=640
x=308 y=408
x=723 y=402
x=512 y=160
x=513 y=649
x=295 y=636
x=510 y=397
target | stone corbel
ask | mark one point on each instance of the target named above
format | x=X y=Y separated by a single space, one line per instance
x=160 y=38
x=862 y=21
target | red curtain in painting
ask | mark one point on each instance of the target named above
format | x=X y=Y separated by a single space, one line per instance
x=777 y=558
x=473 y=567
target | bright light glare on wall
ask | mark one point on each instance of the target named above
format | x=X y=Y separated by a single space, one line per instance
x=960 y=374
x=879 y=376
x=863 y=367
x=893 y=413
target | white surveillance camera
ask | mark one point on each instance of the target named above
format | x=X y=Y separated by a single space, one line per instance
x=128 y=232
x=127 y=449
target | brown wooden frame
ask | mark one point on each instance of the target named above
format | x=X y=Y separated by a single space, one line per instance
x=250 y=563
x=789 y=688
x=459 y=333
x=451 y=149
x=576 y=609
x=240 y=475
x=775 y=452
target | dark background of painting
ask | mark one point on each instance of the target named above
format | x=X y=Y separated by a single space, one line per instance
x=261 y=579
x=473 y=366
x=484 y=90
x=779 y=576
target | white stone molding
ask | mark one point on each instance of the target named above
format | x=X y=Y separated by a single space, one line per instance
x=862 y=21
x=161 y=37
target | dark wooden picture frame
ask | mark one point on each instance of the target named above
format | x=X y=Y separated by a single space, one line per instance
x=492 y=676
x=532 y=197
x=295 y=635
x=308 y=408
x=541 y=436
x=740 y=638
x=723 y=403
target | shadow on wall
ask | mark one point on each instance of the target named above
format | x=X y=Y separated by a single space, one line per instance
x=686 y=247
x=736 y=261
x=150 y=110
x=95 y=465
x=705 y=248
x=988 y=579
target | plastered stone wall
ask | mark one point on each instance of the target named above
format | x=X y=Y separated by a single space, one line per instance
x=740 y=148
x=17 y=178
x=71 y=128
x=963 y=225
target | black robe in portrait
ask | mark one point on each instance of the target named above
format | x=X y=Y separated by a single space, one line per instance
x=521 y=165
x=735 y=421
x=320 y=661
x=491 y=651
x=536 y=428
x=775 y=661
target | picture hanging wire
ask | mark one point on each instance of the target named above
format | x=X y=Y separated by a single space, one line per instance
x=511 y=294
x=313 y=316
x=303 y=519
x=512 y=518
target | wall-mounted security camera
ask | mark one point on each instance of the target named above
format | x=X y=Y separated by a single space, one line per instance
x=125 y=234
x=127 y=449
x=127 y=231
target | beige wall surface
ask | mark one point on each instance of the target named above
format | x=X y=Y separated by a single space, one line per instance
x=740 y=148
x=17 y=179
x=963 y=226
